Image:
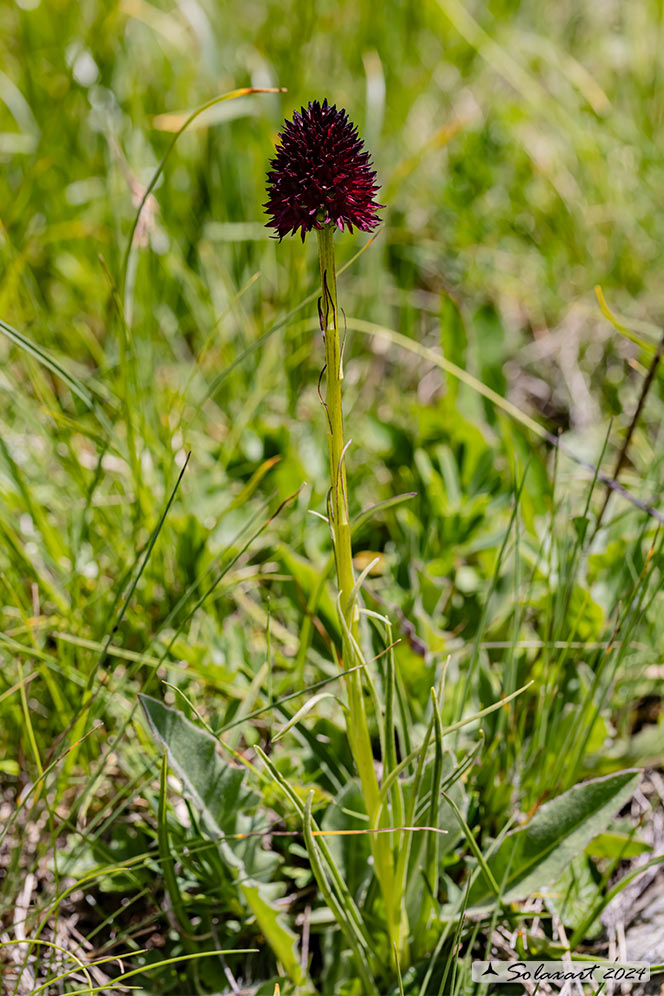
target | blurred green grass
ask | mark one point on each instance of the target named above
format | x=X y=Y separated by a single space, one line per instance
x=517 y=147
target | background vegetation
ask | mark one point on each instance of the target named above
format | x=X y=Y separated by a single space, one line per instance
x=518 y=149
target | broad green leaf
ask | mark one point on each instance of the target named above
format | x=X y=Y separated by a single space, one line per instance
x=217 y=789
x=616 y=845
x=536 y=855
x=220 y=793
x=574 y=894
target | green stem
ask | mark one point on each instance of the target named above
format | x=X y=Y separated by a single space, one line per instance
x=358 y=731
x=334 y=377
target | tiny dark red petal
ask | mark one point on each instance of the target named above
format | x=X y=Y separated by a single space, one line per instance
x=320 y=174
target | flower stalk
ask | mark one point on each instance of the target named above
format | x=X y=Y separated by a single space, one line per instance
x=357 y=727
x=339 y=518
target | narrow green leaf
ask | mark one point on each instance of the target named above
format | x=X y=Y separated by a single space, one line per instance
x=345 y=900
x=302 y=711
x=342 y=913
x=604 y=901
x=47 y=361
x=381 y=506
x=432 y=838
x=414 y=754
x=220 y=98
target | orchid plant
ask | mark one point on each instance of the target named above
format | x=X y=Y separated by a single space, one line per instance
x=321 y=179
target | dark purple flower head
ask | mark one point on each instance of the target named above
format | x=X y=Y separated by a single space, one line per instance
x=320 y=174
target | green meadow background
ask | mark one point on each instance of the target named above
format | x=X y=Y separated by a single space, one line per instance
x=518 y=148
